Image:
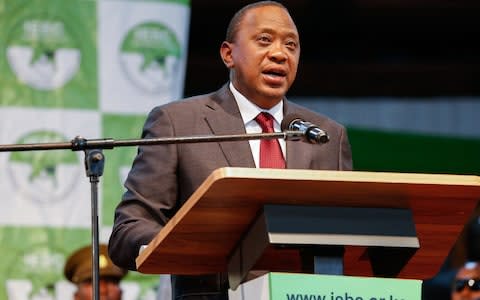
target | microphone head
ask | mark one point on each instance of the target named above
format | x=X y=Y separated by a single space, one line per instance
x=312 y=133
x=288 y=120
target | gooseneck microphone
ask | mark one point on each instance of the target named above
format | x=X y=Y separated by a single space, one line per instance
x=312 y=132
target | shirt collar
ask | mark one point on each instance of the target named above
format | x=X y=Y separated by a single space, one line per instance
x=249 y=110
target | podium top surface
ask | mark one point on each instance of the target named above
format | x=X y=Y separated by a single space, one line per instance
x=203 y=233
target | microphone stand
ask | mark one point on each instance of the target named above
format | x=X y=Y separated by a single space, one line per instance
x=94 y=165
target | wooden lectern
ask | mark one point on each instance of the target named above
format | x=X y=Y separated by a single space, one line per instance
x=387 y=224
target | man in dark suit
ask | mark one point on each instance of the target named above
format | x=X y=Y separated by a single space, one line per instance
x=261 y=50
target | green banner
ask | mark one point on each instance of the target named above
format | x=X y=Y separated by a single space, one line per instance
x=76 y=68
x=396 y=151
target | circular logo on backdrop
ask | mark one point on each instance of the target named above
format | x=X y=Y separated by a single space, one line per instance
x=150 y=56
x=42 y=52
x=45 y=175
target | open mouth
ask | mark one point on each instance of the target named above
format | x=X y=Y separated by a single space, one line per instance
x=275 y=73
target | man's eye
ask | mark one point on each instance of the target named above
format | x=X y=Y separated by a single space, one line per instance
x=291 y=44
x=264 y=39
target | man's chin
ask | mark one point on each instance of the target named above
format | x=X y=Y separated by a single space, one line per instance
x=275 y=92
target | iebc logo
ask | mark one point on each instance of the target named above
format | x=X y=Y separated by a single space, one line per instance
x=42 y=52
x=150 y=56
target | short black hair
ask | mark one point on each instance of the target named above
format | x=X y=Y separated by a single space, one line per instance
x=232 y=28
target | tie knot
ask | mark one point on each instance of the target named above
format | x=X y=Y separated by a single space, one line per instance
x=265 y=120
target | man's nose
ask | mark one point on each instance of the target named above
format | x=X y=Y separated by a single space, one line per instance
x=278 y=52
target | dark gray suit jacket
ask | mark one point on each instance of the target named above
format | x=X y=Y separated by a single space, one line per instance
x=164 y=176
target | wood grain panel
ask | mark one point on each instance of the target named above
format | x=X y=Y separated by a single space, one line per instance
x=202 y=235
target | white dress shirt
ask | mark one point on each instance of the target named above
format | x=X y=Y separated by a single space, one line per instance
x=249 y=112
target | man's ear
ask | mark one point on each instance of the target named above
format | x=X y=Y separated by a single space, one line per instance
x=226 y=54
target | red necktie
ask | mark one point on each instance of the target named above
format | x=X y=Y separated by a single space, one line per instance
x=270 y=152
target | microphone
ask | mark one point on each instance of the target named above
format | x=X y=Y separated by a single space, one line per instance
x=312 y=132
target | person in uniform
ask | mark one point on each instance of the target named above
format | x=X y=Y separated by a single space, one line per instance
x=78 y=270
x=466 y=285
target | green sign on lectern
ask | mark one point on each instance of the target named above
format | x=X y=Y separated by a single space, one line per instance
x=289 y=286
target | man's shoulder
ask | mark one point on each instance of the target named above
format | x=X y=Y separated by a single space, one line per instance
x=196 y=101
x=189 y=101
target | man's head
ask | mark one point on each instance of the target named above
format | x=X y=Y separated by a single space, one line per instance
x=78 y=270
x=262 y=51
x=466 y=285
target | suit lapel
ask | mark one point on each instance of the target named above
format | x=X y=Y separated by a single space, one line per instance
x=223 y=117
x=299 y=153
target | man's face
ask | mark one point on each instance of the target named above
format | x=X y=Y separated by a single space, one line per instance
x=467 y=284
x=109 y=289
x=264 y=55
